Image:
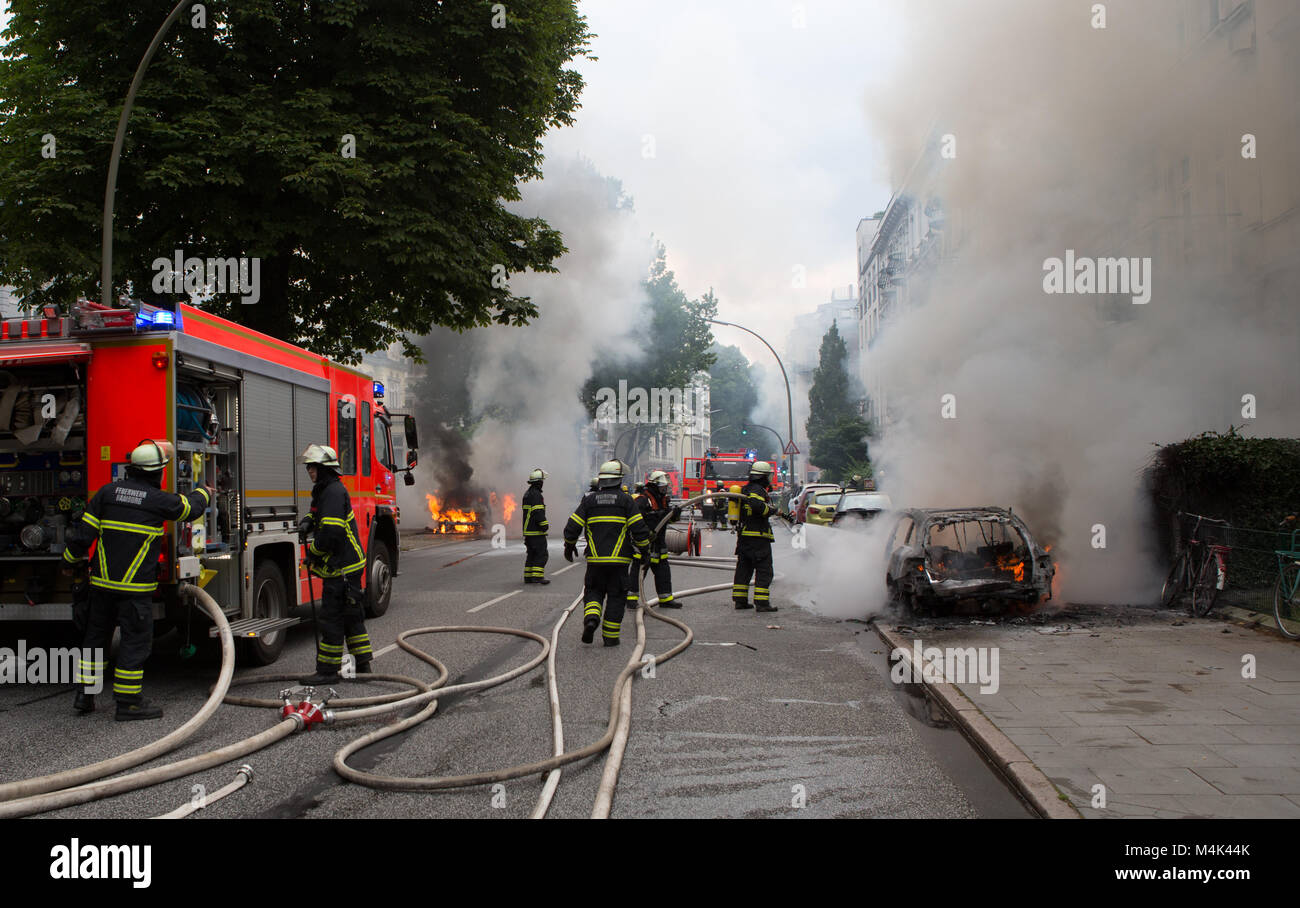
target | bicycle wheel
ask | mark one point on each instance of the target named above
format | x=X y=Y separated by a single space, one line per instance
x=1175 y=582
x=1206 y=588
x=1286 y=599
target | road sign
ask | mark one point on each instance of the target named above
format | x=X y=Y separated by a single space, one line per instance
x=790 y=448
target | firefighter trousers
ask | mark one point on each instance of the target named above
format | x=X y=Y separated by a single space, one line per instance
x=535 y=558
x=342 y=619
x=756 y=562
x=134 y=615
x=605 y=583
x=657 y=565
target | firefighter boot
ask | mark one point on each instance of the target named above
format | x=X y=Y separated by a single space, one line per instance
x=84 y=703
x=363 y=668
x=542 y=580
x=131 y=710
x=589 y=628
x=321 y=679
x=742 y=603
x=764 y=607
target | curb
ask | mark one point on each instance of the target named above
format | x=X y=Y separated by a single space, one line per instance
x=996 y=747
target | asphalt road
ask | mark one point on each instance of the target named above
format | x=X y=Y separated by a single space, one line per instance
x=787 y=714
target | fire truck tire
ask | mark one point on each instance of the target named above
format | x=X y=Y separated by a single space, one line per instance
x=379 y=580
x=269 y=601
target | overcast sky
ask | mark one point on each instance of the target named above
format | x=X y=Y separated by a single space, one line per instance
x=761 y=157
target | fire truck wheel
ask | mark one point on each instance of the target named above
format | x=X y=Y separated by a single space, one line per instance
x=269 y=601
x=379 y=580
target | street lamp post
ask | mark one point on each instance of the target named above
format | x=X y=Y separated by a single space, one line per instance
x=789 y=401
x=110 y=188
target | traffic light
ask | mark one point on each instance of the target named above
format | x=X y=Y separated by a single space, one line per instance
x=744 y=429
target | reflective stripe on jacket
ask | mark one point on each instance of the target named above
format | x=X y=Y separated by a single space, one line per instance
x=127 y=517
x=336 y=541
x=612 y=524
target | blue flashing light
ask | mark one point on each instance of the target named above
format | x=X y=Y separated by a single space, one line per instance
x=379 y=390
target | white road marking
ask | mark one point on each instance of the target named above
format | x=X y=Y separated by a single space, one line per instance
x=563 y=569
x=493 y=601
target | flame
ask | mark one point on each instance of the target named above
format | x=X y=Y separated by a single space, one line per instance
x=510 y=506
x=450 y=520
x=1013 y=564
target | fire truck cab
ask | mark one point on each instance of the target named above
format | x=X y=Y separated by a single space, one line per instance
x=78 y=392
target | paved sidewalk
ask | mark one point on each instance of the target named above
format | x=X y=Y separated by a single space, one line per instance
x=1157 y=708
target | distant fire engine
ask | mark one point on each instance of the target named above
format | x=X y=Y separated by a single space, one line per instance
x=727 y=467
x=78 y=392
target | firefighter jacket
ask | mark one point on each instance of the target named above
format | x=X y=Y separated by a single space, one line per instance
x=608 y=517
x=754 y=511
x=127 y=518
x=654 y=509
x=534 y=511
x=335 y=548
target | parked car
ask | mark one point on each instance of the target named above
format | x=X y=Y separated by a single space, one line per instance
x=856 y=509
x=939 y=556
x=821 y=507
x=799 y=506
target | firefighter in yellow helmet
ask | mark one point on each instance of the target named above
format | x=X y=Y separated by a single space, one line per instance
x=124 y=520
x=334 y=554
x=607 y=517
x=535 y=530
x=754 y=543
x=654 y=505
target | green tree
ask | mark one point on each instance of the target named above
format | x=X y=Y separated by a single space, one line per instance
x=674 y=340
x=836 y=433
x=733 y=395
x=363 y=150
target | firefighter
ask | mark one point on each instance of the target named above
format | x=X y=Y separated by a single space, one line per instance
x=334 y=554
x=126 y=518
x=654 y=506
x=754 y=542
x=714 y=510
x=535 y=529
x=607 y=517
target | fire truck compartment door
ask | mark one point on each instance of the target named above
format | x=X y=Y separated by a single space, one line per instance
x=270 y=460
x=311 y=413
x=40 y=352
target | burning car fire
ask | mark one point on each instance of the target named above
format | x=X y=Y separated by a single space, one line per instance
x=943 y=556
x=467 y=517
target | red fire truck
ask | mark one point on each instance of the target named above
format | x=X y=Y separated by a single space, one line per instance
x=727 y=467
x=79 y=391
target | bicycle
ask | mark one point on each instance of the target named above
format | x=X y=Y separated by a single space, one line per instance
x=1201 y=567
x=1286 y=594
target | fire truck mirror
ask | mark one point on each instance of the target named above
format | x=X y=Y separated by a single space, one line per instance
x=412 y=437
x=408 y=479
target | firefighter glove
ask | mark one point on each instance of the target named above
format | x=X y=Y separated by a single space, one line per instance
x=570 y=549
x=305 y=526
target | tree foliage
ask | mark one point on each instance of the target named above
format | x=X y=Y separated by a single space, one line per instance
x=238 y=147
x=836 y=433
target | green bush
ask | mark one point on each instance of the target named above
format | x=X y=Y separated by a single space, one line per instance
x=1251 y=482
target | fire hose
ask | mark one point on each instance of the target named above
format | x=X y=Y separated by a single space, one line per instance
x=26 y=788
x=47 y=793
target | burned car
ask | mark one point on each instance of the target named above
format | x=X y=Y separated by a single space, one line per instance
x=939 y=557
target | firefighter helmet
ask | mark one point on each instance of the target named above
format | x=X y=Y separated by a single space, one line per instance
x=594 y=482
x=611 y=469
x=151 y=456
x=537 y=475
x=322 y=455
x=760 y=470
x=658 y=479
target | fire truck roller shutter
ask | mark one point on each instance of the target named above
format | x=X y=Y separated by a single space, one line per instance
x=269 y=464
x=310 y=426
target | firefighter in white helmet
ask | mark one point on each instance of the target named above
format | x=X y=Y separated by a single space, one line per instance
x=125 y=518
x=535 y=529
x=607 y=517
x=334 y=554
x=754 y=542
x=653 y=504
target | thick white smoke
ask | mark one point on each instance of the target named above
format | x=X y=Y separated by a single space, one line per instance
x=586 y=311
x=1067 y=137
